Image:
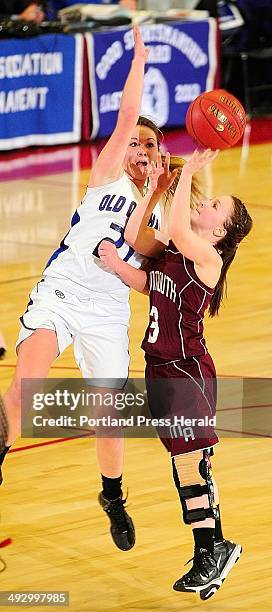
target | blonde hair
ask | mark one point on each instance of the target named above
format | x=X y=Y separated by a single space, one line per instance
x=177 y=162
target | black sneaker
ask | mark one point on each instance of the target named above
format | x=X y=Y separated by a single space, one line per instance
x=226 y=554
x=203 y=576
x=122 y=528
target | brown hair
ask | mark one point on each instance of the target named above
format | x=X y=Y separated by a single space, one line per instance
x=238 y=226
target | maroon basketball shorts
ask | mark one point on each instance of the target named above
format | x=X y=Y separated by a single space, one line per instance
x=182 y=401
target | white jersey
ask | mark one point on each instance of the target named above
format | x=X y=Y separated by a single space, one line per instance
x=103 y=213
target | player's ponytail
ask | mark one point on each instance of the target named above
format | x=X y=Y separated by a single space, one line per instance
x=177 y=162
x=237 y=228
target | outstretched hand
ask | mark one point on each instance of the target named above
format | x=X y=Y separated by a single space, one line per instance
x=140 y=50
x=108 y=255
x=199 y=159
x=161 y=178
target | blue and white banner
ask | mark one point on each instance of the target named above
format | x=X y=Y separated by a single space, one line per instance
x=182 y=63
x=40 y=90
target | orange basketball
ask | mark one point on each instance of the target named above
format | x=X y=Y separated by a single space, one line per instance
x=216 y=119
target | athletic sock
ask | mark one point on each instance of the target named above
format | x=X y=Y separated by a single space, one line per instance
x=3 y=454
x=112 y=487
x=218 y=533
x=204 y=538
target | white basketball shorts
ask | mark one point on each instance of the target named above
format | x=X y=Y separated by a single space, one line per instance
x=97 y=327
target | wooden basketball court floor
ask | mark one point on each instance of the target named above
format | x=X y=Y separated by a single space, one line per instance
x=49 y=498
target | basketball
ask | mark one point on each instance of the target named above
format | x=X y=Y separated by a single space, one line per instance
x=216 y=119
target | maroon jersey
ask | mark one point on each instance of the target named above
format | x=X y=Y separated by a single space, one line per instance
x=178 y=300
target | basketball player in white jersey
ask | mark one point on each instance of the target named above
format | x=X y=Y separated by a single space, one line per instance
x=79 y=301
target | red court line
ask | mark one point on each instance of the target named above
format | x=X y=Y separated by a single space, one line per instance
x=47 y=443
x=58 y=440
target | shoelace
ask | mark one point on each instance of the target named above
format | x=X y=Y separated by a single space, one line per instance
x=118 y=512
x=198 y=564
x=194 y=571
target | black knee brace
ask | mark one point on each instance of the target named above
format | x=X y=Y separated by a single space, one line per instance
x=197 y=490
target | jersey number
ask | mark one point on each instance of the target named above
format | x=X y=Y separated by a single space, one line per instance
x=118 y=243
x=154 y=325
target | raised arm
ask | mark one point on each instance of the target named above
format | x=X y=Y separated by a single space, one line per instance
x=189 y=243
x=136 y=279
x=108 y=166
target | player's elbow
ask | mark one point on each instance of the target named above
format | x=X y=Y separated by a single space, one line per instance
x=142 y=286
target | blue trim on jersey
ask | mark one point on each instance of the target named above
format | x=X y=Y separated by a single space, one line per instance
x=63 y=247
x=75 y=219
x=153 y=222
x=129 y=254
x=56 y=253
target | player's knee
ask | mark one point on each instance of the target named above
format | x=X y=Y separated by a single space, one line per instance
x=193 y=480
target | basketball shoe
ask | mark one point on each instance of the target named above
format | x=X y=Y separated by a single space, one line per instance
x=226 y=554
x=122 y=528
x=203 y=577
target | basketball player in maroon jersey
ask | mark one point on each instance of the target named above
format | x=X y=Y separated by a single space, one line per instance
x=188 y=277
